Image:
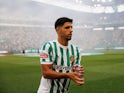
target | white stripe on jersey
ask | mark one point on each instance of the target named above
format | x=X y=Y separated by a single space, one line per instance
x=59 y=54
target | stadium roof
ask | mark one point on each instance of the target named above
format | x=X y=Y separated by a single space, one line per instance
x=90 y=6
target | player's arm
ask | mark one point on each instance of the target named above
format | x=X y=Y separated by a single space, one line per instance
x=47 y=63
x=51 y=74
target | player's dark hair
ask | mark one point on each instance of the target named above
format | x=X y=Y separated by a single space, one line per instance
x=61 y=21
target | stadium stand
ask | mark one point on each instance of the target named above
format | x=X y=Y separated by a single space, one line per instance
x=20 y=32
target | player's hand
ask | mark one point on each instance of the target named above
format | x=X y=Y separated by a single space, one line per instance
x=81 y=71
x=76 y=78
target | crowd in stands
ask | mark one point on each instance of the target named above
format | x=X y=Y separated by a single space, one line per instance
x=16 y=39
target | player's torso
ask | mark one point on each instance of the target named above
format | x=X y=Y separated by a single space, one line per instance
x=63 y=57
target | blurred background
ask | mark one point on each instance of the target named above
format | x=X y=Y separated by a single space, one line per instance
x=98 y=28
x=26 y=24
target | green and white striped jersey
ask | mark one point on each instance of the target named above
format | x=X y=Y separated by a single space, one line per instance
x=62 y=58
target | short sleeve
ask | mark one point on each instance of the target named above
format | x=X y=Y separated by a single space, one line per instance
x=46 y=54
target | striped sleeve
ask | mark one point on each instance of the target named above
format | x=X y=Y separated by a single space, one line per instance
x=46 y=53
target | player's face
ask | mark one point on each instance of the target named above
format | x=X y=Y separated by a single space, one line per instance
x=66 y=31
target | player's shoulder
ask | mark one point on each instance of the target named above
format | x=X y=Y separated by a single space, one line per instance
x=49 y=43
x=74 y=45
x=53 y=41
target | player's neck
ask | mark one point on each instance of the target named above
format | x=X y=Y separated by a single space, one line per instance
x=63 y=42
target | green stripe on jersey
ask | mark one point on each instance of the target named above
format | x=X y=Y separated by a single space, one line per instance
x=52 y=86
x=77 y=60
x=72 y=50
x=62 y=60
x=68 y=57
x=43 y=48
x=56 y=52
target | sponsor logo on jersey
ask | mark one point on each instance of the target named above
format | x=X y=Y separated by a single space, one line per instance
x=66 y=68
x=44 y=55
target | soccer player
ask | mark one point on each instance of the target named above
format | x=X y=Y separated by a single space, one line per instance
x=57 y=60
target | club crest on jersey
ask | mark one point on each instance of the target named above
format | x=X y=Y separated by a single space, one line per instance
x=72 y=59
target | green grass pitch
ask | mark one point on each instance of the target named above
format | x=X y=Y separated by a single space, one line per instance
x=103 y=74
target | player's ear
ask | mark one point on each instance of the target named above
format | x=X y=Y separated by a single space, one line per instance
x=57 y=29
